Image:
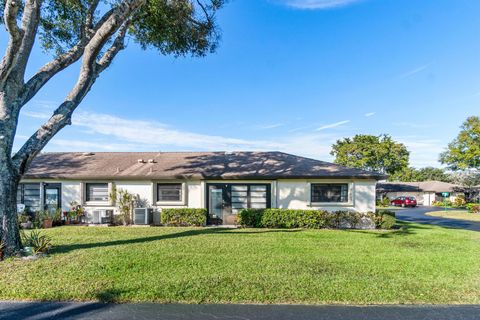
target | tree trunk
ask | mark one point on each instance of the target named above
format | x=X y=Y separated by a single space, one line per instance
x=9 y=232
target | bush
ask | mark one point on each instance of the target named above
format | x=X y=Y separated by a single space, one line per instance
x=384 y=219
x=442 y=203
x=385 y=202
x=459 y=201
x=473 y=207
x=309 y=219
x=184 y=217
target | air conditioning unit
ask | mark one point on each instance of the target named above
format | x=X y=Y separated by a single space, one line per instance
x=143 y=216
x=102 y=216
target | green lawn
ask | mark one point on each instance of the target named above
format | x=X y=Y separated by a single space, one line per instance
x=455 y=214
x=418 y=264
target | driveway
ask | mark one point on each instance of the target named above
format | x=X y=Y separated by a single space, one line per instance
x=96 y=311
x=418 y=215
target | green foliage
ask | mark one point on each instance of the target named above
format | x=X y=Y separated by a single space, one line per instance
x=288 y=219
x=385 y=202
x=125 y=202
x=384 y=219
x=464 y=152
x=184 y=217
x=177 y=27
x=423 y=174
x=459 y=201
x=473 y=207
x=374 y=153
x=443 y=203
x=39 y=242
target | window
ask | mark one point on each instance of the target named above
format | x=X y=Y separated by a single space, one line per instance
x=97 y=192
x=29 y=195
x=329 y=193
x=248 y=196
x=169 y=192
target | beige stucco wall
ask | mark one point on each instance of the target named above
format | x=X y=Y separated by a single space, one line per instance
x=295 y=194
x=289 y=194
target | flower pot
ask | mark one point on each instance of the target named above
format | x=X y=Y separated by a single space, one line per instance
x=28 y=251
x=26 y=225
x=67 y=222
x=47 y=223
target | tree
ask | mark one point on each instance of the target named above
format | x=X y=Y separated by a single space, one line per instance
x=469 y=180
x=93 y=33
x=464 y=151
x=374 y=153
x=422 y=174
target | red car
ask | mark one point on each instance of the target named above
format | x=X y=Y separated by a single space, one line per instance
x=404 y=202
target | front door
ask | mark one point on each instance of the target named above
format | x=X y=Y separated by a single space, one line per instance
x=52 y=196
x=226 y=200
x=217 y=204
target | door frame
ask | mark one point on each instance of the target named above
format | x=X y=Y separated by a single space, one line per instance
x=227 y=195
x=57 y=186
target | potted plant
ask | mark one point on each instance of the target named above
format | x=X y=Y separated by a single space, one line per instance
x=24 y=220
x=45 y=219
x=77 y=212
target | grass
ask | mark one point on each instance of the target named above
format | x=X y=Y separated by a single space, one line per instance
x=455 y=214
x=417 y=264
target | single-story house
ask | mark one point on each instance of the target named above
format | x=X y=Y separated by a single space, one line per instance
x=425 y=192
x=222 y=182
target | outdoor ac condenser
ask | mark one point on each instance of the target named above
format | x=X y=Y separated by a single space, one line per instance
x=143 y=216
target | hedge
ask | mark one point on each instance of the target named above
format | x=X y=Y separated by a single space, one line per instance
x=183 y=217
x=384 y=219
x=312 y=219
x=473 y=207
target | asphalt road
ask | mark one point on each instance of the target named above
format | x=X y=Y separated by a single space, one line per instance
x=418 y=215
x=96 y=311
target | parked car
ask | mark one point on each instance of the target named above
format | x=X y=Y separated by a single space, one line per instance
x=404 y=202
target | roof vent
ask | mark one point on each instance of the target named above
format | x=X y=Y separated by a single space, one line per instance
x=87 y=154
x=151 y=161
x=141 y=161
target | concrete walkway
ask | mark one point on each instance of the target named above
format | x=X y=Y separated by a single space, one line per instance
x=418 y=215
x=96 y=311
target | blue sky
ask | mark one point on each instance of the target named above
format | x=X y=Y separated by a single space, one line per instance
x=289 y=75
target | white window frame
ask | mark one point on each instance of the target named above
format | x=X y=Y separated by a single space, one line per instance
x=349 y=203
x=184 y=190
x=107 y=202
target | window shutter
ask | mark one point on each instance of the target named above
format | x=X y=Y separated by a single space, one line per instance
x=82 y=193
x=111 y=189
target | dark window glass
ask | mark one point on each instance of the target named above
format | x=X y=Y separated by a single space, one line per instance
x=329 y=193
x=96 y=192
x=169 y=192
x=29 y=195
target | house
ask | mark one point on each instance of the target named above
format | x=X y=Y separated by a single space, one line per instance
x=222 y=182
x=425 y=192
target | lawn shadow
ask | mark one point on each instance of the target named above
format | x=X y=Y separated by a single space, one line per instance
x=401 y=229
x=176 y=235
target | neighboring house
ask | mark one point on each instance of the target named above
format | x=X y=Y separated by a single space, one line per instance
x=222 y=182
x=425 y=192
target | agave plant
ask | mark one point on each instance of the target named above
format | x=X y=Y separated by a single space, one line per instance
x=39 y=243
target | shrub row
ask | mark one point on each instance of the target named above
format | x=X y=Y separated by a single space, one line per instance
x=184 y=217
x=313 y=219
x=473 y=207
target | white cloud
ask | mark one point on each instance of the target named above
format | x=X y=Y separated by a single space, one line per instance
x=424 y=152
x=414 y=71
x=332 y=125
x=36 y=114
x=370 y=114
x=112 y=133
x=317 y=4
x=270 y=126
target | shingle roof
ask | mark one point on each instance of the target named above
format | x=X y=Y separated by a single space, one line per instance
x=425 y=186
x=186 y=165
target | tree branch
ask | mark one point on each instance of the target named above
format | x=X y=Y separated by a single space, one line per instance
x=10 y=18
x=49 y=70
x=115 y=48
x=89 y=72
